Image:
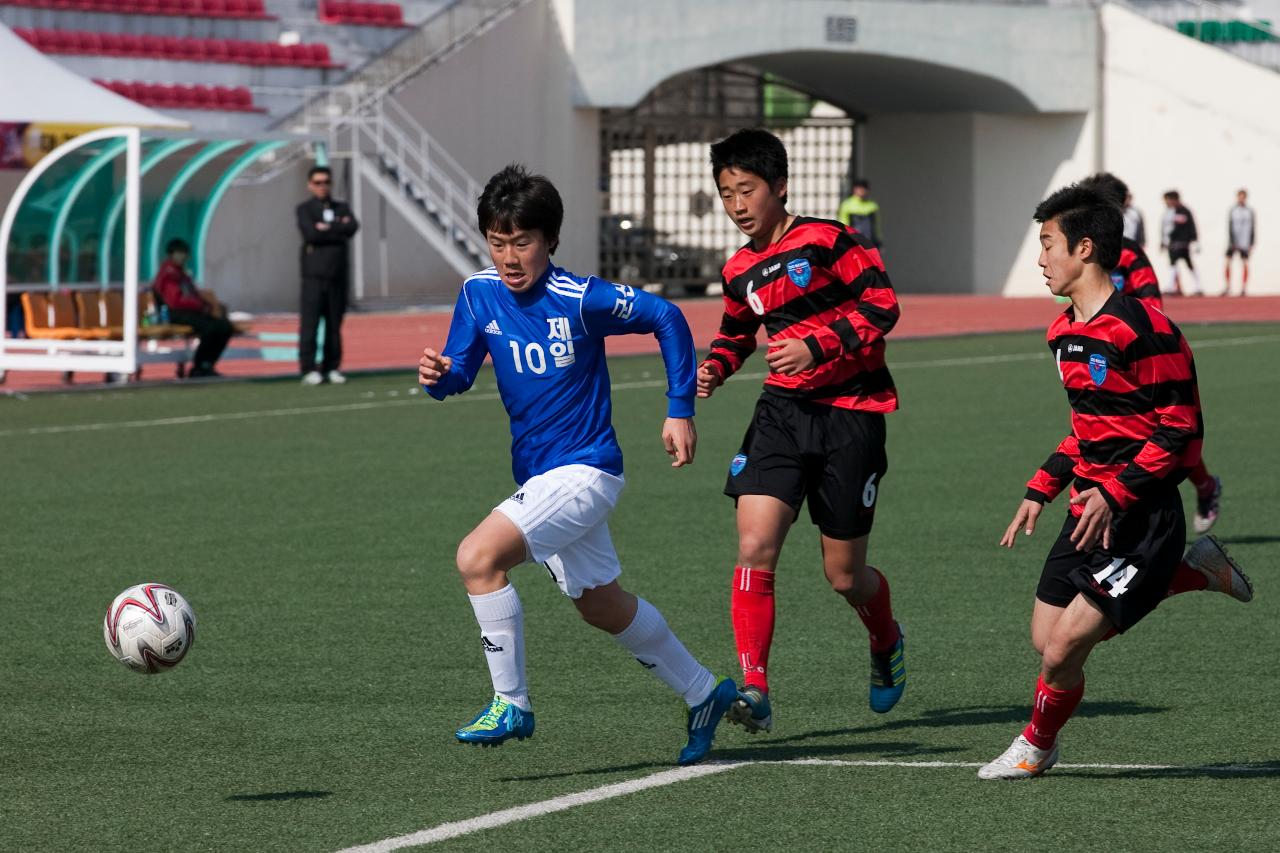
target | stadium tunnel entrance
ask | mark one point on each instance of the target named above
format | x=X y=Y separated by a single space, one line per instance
x=956 y=159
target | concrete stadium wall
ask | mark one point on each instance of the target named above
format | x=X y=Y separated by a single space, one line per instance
x=958 y=191
x=1187 y=116
x=254 y=243
x=509 y=97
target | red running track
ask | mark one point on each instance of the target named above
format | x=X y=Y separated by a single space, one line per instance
x=394 y=341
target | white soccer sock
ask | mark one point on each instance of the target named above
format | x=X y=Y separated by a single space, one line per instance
x=651 y=642
x=501 y=621
x=1195 y=283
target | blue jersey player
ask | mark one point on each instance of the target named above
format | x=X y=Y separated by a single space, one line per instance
x=544 y=328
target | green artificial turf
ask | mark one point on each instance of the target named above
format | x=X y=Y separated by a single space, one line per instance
x=336 y=651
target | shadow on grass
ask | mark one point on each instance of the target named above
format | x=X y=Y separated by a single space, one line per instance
x=1240 y=770
x=769 y=748
x=276 y=796
x=976 y=715
x=1249 y=539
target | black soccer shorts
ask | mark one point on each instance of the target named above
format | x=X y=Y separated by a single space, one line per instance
x=1238 y=250
x=795 y=449
x=1130 y=579
x=1181 y=253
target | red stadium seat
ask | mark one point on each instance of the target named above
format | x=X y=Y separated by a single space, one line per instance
x=201 y=97
x=91 y=44
x=259 y=53
x=146 y=7
x=223 y=98
x=58 y=41
x=238 y=9
x=129 y=44
x=214 y=8
x=279 y=54
x=320 y=55
x=25 y=34
x=215 y=50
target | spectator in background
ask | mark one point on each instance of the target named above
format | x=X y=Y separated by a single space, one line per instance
x=188 y=306
x=1240 y=237
x=327 y=226
x=1134 y=228
x=1179 y=235
x=860 y=213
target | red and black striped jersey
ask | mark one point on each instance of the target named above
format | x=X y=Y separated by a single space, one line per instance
x=1134 y=276
x=1136 y=426
x=824 y=284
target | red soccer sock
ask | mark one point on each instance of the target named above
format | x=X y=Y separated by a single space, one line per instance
x=1187 y=579
x=877 y=615
x=1049 y=713
x=1202 y=480
x=751 y=606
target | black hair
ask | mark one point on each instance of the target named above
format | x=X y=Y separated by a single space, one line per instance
x=1086 y=211
x=177 y=244
x=753 y=150
x=862 y=182
x=1108 y=184
x=1173 y=194
x=320 y=170
x=514 y=200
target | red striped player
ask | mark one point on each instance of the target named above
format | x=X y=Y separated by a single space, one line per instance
x=818 y=433
x=1136 y=431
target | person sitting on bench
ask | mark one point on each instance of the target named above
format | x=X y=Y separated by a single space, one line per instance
x=189 y=306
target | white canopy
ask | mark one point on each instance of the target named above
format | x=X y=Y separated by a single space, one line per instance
x=40 y=90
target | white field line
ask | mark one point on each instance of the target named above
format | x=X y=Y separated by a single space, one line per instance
x=496 y=819
x=477 y=397
x=556 y=804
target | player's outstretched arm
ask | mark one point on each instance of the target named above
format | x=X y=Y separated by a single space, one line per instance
x=680 y=437
x=1024 y=519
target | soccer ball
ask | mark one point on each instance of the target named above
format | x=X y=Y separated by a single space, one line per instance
x=149 y=628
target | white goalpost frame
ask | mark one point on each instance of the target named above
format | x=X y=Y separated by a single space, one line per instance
x=71 y=355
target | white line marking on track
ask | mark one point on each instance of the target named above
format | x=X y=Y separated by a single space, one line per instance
x=477 y=397
x=670 y=777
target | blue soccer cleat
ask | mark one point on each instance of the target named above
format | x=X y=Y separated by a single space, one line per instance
x=751 y=710
x=888 y=676
x=499 y=722
x=703 y=719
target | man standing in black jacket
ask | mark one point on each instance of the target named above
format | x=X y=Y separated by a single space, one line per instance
x=326 y=225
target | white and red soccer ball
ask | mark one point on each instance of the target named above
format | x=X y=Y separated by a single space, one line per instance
x=149 y=628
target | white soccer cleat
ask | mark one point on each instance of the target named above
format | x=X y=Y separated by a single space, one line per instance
x=1208 y=557
x=315 y=377
x=1022 y=760
x=336 y=378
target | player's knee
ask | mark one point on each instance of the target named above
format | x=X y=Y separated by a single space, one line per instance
x=856 y=583
x=758 y=552
x=1061 y=660
x=477 y=561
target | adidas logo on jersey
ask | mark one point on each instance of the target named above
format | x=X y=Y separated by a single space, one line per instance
x=489 y=645
x=518 y=497
x=492 y=328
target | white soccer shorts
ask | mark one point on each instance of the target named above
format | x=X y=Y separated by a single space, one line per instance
x=563 y=516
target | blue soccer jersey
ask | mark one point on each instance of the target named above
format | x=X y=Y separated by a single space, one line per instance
x=547 y=346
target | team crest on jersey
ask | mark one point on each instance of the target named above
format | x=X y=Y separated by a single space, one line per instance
x=739 y=462
x=799 y=272
x=1118 y=280
x=1098 y=368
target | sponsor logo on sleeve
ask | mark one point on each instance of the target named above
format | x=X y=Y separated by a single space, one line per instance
x=739 y=462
